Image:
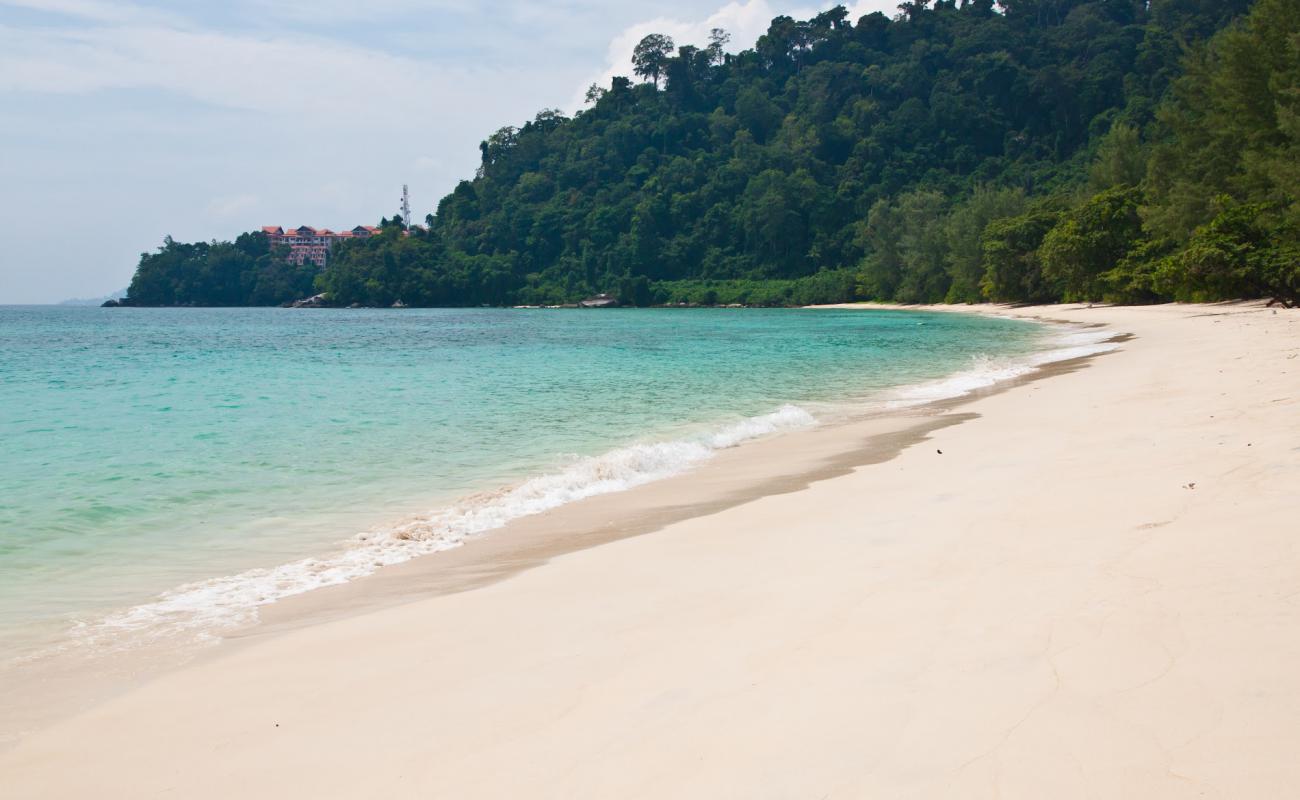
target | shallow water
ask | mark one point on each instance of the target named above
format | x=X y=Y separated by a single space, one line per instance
x=147 y=453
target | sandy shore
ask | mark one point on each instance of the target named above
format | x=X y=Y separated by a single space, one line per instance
x=1085 y=586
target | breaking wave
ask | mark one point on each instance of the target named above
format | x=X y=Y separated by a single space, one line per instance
x=1066 y=342
x=205 y=608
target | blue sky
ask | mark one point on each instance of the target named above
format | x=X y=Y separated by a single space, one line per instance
x=123 y=122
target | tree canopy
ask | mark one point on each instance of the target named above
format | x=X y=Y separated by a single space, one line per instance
x=651 y=55
x=1037 y=151
x=240 y=273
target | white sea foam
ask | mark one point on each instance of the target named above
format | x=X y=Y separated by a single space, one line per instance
x=205 y=608
x=1066 y=342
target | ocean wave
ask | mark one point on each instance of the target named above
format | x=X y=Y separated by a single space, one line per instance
x=1066 y=342
x=206 y=608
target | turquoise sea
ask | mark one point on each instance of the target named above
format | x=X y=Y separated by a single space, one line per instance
x=169 y=470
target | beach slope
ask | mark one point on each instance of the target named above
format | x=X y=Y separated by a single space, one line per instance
x=1090 y=588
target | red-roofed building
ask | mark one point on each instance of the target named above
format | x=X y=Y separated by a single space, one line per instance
x=306 y=243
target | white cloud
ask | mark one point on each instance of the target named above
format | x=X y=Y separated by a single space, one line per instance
x=295 y=74
x=210 y=118
x=863 y=7
x=745 y=20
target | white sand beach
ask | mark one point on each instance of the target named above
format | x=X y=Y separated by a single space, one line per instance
x=1085 y=586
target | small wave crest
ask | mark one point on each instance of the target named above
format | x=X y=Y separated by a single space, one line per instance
x=205 y=608
x=1066 y=342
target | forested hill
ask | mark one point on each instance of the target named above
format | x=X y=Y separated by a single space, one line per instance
x=1036 y=150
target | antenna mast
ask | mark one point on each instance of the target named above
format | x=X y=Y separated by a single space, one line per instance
x=406 y=207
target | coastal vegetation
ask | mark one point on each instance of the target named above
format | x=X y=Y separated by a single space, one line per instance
x=1028 y=151
x=244 y=272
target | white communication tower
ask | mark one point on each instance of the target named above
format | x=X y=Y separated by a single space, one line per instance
x=406 y=207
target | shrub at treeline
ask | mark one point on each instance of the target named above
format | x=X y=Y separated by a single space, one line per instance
x=1042 y=150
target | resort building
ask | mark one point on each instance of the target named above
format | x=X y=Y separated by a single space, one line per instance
x=306 y=243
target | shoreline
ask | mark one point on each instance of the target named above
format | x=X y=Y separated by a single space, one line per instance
x=485 y=586
x=53 y=687
x=415 y=519
x=777 y=463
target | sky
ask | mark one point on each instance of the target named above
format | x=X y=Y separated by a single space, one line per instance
x=124 y=122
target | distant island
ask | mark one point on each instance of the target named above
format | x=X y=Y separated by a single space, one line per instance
x=94 y=301
x=1040 y=152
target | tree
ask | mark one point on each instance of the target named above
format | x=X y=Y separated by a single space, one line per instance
x=1013 y=271
x=1239 y=253
x=635 y=291
x=718 y=39
x=914 y=9
x=650 y=56
x=964 y=230
x=1091 y=239
x=1229 y=123
x=829 y=153
x=758 y=113
x=1195 y=19
x=882 y=269
x=1121 y=160
x=923 y=247
x=778 y=46
x=240 y=273
x=834 y=19
x=498 y=145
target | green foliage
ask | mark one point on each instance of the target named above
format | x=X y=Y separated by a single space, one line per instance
x=1230 y=127
x=1134 y=279
x=1071 y=149
x=1013 y=270
x=240 y=273
x=964 y=231
x=1190 y=20
x=650 y=56
x=882 y=269
x=1121 y=159
x=828 y=286
x=391 y=266
x=1242 y=252
x=1091 y=239
x=832 y=145
x=922 y=247
x=1222 y=180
